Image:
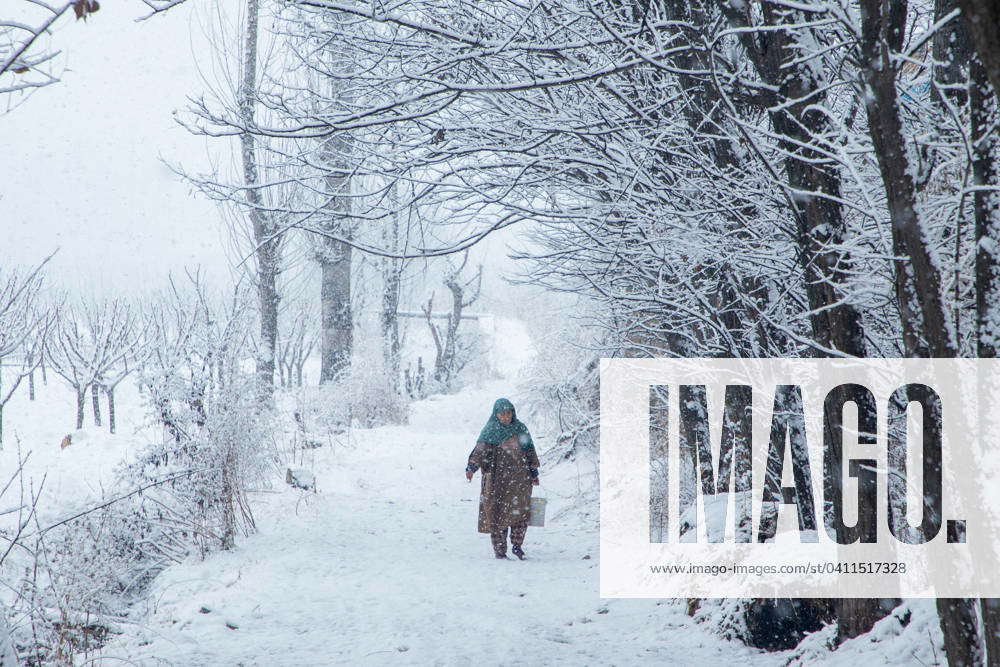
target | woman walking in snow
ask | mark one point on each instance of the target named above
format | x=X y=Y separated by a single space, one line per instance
x=506 y=455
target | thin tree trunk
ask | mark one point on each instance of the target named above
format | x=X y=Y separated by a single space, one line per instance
x=229 y=500
x=31 y=385
x=94 y=389
x=451 y=333
x=391 y=269
x=111 y=408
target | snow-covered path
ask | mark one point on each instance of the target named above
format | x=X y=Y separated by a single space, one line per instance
x=384 y=565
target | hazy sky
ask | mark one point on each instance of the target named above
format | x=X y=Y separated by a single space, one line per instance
x=79 y=163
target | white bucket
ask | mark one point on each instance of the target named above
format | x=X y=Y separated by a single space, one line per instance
x=536 y=517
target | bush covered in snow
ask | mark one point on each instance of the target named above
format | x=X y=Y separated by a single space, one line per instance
x=365 y=394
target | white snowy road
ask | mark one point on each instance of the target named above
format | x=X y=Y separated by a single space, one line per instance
x=384 y=566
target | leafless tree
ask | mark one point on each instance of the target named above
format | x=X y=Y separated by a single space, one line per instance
x=24 y=327
x=464 y=292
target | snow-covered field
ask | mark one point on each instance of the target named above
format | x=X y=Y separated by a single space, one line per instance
x=70 y=479
x=383 y=564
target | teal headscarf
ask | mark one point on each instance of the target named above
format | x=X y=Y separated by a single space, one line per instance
x=495 y=432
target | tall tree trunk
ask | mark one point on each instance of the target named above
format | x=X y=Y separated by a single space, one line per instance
x=882 y=34
x=336 y=316
x=266 y=240
x=813 y=187
x=31 y=386
x=813 y=184
x=986 y=174
x=883 y=28
x=982 y=20
x=951 y=56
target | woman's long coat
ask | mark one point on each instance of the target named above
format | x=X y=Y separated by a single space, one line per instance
x=505 y=495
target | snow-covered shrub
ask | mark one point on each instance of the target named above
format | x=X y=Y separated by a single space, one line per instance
x=218 y=439
x=371 y=396
x=75 y=579
x=471 y=362
x=323 y=410
x=565 y=398
x=227 y=448
x=415 y=380
x=364 y=394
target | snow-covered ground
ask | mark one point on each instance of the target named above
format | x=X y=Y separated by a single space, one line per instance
x=70 y=479
x=383 y=564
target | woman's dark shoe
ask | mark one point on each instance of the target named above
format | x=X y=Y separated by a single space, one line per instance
x=503 y=556
x=518 y=551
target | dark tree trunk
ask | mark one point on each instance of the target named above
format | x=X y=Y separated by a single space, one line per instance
x=990 y=610
x=985 y=174
x=982 y=20
x=31 y=385
x=881 y=35
x=814 y=184
x=961 y=632
x=813 y=194
x=951 y=55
